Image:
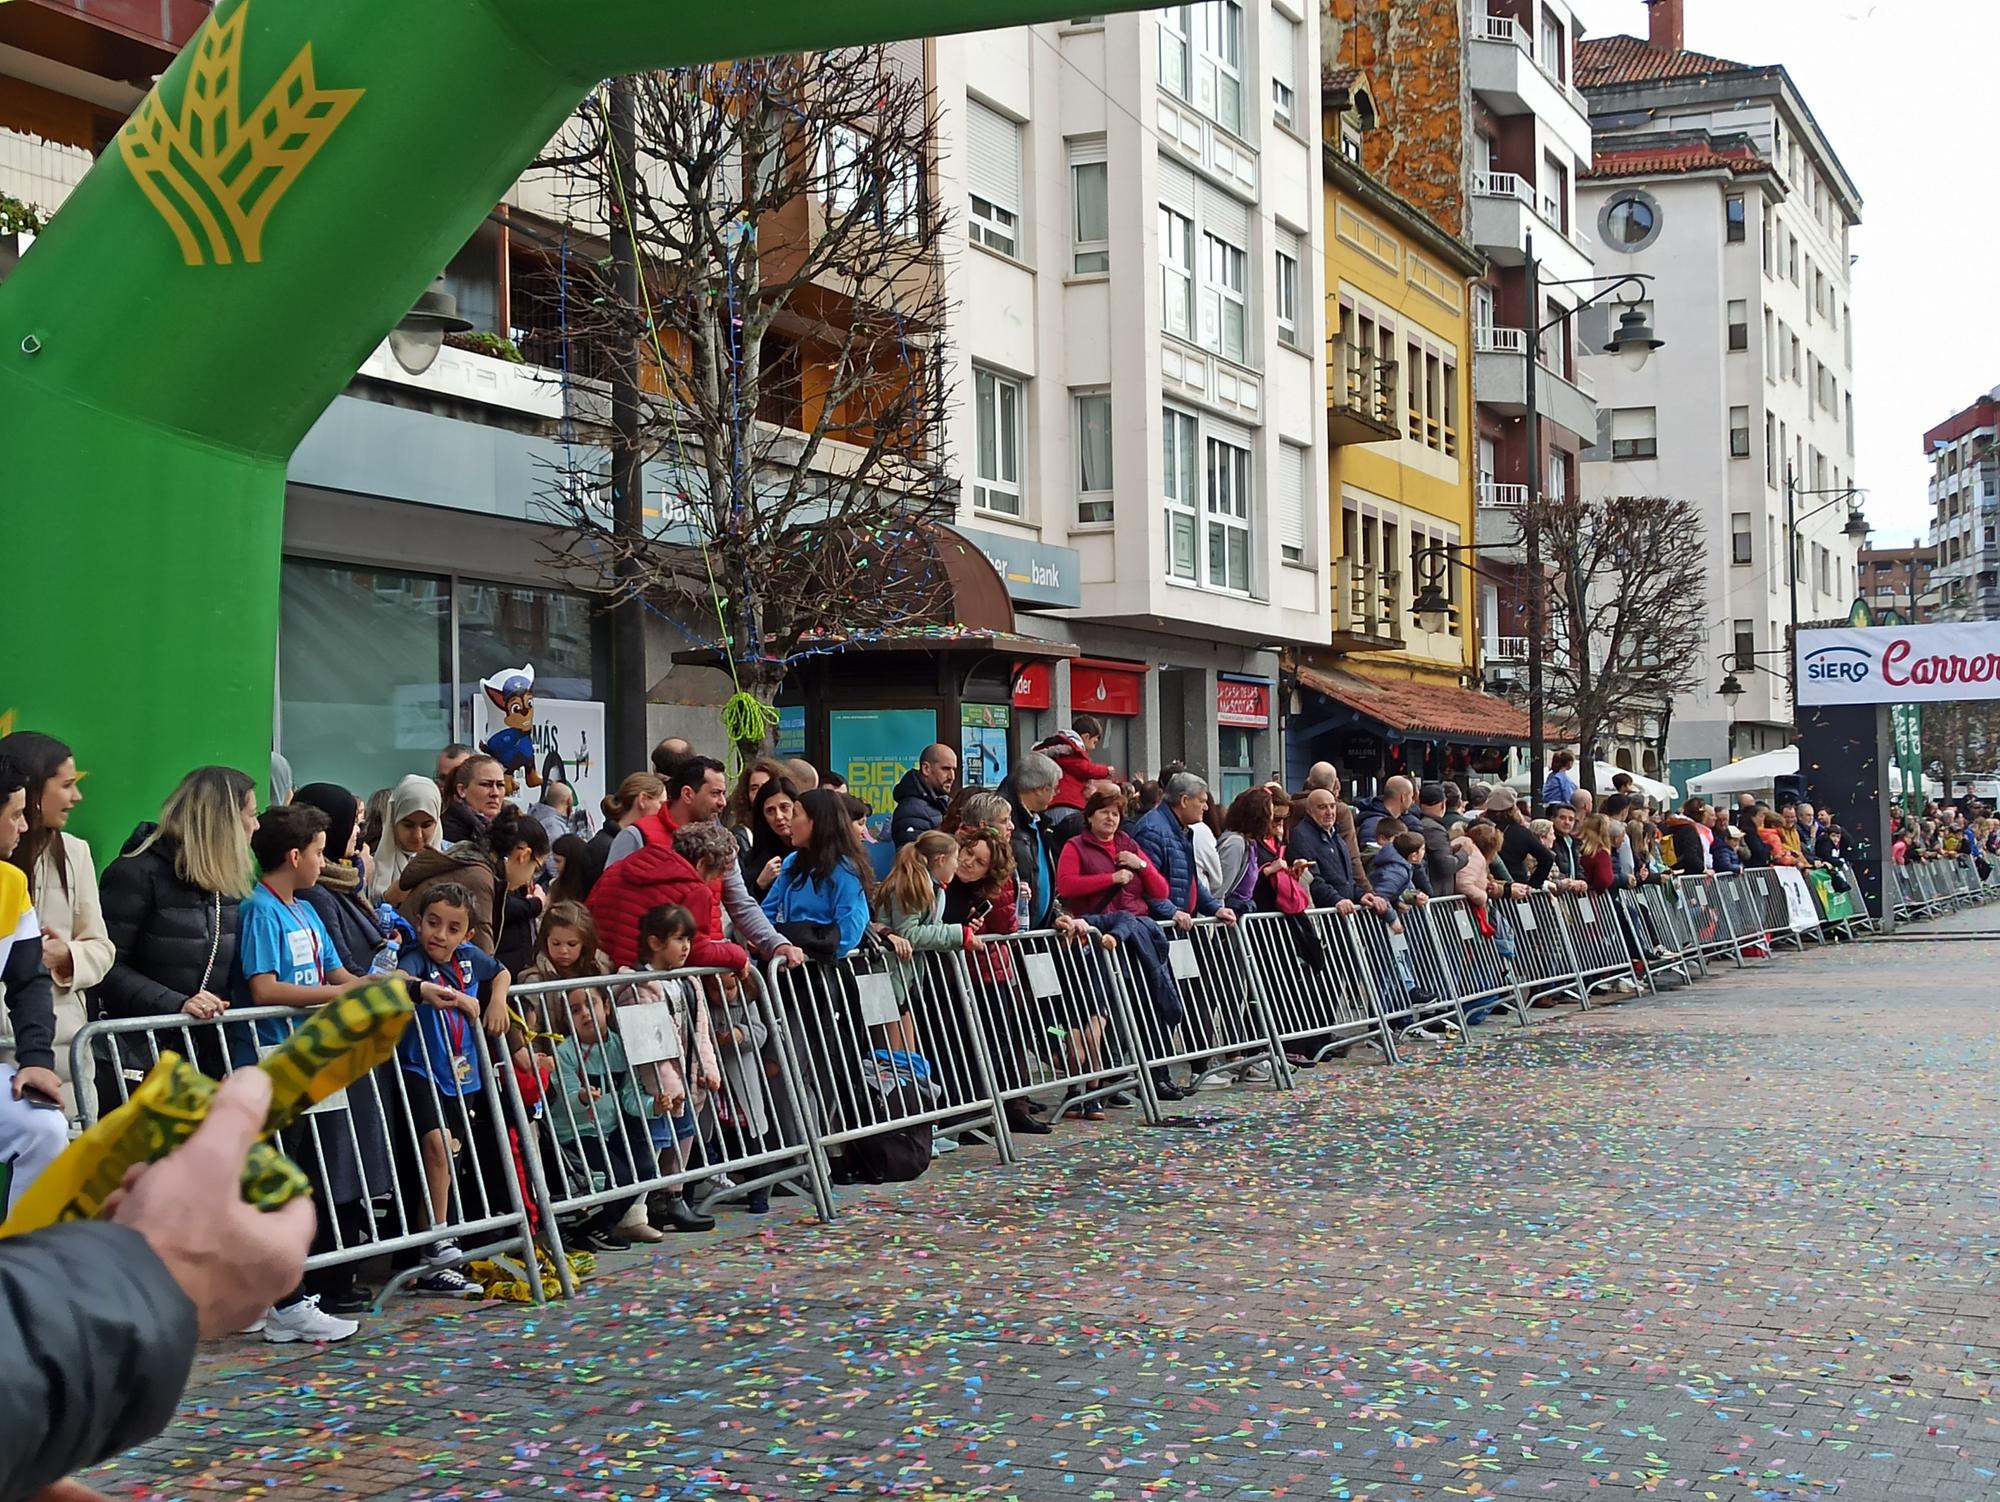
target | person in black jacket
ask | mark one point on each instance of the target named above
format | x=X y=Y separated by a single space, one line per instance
x=924 y=794
x=1441 y=862
x=1526 y=858
x=32 y=1130
x=1030 y=788
x=99 y=1318
x=170 y=908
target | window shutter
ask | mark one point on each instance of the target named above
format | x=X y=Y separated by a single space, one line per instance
x=1285 y=51
x=1225 y=216
x=1177 y=190
x=1290 y=502
x=993 y=156
x=904 y=58
x=1288 y=244
x=1084 y=150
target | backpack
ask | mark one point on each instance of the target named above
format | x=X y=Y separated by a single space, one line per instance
x=894 y=1156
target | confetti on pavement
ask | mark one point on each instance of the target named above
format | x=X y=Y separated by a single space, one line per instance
x=1733 y=1243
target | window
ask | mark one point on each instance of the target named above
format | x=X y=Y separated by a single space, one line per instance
x=1284 y=68
x=997 y=408
x=1228 y=516
x=1226 y=294
x=1732 y=217
x=1792 y=257
x=1739 y=537
x=1771 y=449
x=1221 y=23
x=1555 y=192
x=884 y=190
x=1180 y=468
x=1739 y=432
x=1771 y=551
x=993 y=154
x=1093 y=458
x=1174 y=36
x=1798 y=378
x=1768 y=239
x=1286 y=289
x=1770 y=349
x=1090 y=209
x=1739 y=325
x=1176 y=273
x=1289 y=508
x=1746 y=647
x=1635 y=433
x=1630 y=222
x=1822 y=570
x=1553 y=54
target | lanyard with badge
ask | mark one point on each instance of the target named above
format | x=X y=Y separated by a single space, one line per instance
x=456 y=1028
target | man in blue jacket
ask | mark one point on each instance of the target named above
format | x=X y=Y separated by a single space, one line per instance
x=924 y=794
x=1163 y=835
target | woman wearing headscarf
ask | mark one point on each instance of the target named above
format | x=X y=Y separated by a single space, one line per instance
x=337 y=897
x=281 y=782
x=412 y=823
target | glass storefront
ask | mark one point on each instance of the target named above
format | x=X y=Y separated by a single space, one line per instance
x=367 y=685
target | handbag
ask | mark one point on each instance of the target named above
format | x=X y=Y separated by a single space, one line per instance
x=820 y=941
x=1292 y=898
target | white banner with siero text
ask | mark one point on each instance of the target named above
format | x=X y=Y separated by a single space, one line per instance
x=1900 y=664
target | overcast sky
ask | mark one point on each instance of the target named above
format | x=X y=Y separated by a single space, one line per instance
x=1905 y=91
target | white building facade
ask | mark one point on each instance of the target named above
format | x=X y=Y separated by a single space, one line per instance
x=1139 y=347
x=1713 y=178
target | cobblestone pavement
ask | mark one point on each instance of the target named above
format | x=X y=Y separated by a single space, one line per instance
x=1734 y=1244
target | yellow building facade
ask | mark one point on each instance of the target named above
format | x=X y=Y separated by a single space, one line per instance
x=1391 y=692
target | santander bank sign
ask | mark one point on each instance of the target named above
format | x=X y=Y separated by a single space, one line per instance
x=1900 y=664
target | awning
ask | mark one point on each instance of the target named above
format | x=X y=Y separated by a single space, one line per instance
x=1423 y=711
x=1753 y=774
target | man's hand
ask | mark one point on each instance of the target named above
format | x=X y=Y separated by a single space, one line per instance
x=1227 y=915
x=39 y=1081
x=1344 y=906
x=1120 y=877
x=790 y=956
x=1378 y=902
x=1518 y=891
x=1421 y=899
x=1184 y=921
x=233 y=1260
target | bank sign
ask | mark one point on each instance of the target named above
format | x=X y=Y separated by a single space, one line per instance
x=1900 y=664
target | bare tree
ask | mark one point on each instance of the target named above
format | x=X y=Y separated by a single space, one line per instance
x=1961 y=740
x=1627 y=609
x=787 y=317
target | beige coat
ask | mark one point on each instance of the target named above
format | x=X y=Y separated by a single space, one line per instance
x=75 y=918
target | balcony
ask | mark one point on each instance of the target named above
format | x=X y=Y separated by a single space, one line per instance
x=1506 y=650
x=1506 y=210
x=1500 y=381
x=1365 y=607
x=1511 y=80
x=1360 y=394
x=1496 y=496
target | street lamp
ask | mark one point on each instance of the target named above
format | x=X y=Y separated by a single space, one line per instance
x=1731 y=691
x=1431 y=609
x=419 y=335
x=1856 y=527
x=1634 y=342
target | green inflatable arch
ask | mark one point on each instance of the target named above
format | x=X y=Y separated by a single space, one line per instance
x=280 y=199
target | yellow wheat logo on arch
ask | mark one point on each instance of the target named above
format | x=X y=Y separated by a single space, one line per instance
x=214 y=175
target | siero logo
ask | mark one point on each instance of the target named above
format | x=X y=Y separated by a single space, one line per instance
x=1838 y=665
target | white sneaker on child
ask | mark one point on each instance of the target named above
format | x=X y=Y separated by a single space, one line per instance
x=305 y=1320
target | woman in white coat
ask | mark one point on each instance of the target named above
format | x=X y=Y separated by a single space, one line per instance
x=62 y=879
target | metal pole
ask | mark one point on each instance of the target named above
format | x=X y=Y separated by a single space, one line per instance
x=627 y=687
x=1792 y=578
x=1532 y=535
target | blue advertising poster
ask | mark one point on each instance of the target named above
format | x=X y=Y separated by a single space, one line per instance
x=873 y=748
x=791 y=730
x=982 y=744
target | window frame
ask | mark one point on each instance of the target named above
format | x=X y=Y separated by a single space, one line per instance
x=1080 y=246
x=1088 y=498
x=1742 y=543
x=1638 y=448
x=1219 y=258
x=1285 y=298
x=1739 y=437
x=1285 y=91
x=1177 y=264
x=1735 y=220
x=1228 y=511
x=986 y=487
x=1181 y=461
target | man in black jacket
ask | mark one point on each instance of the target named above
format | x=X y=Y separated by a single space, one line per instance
x=99 y=1318
x=1441 y=862
x=924 y=794
x=1318 y=838
x=1031 y=788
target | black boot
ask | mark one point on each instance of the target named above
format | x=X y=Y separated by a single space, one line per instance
x=670 y=1212
x=1021 y=1118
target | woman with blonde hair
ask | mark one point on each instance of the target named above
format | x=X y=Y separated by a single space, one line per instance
x=169 y=905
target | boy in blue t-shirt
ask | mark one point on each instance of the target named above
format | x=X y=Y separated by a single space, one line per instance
x=284 y=958
x=460 y=990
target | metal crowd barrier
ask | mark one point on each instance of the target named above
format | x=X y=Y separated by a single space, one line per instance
x=1707 y=918
x=1658 y=933
x=884 y=1044
x=1222 y=1027
x=1314 y=983
x=374 y=1171
x=1414 y=991
x=1543 y=964
x=1743 y=910
x=1475 y=972
x=1767 y=891
x=663 y=1082
x=1058 y=1016
x=1597 y=941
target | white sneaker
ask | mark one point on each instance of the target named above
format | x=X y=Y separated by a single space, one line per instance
x=1258 y=1073
x=940 y=1143
x=305 y=1320
x=256 y=1326
x=1215 y=1082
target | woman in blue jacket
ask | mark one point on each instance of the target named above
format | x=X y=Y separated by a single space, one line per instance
x=820 y=899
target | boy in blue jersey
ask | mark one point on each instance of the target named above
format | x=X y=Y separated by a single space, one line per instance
x=285 y=958
x=460 y=991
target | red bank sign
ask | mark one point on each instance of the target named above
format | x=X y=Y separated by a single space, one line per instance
x=1900 y=664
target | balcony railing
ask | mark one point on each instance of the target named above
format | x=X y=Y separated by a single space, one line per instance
x=1360 y=393
x=1507 y=29
x=1366 y=601
x=1494 y=495
x=1496 y=339
x=1502 y=185
x=1506 y=649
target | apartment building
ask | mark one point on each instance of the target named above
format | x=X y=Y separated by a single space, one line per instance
x=1135 y=203
x=1713 y=178
x=1965 y=503
x=1899 y=580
